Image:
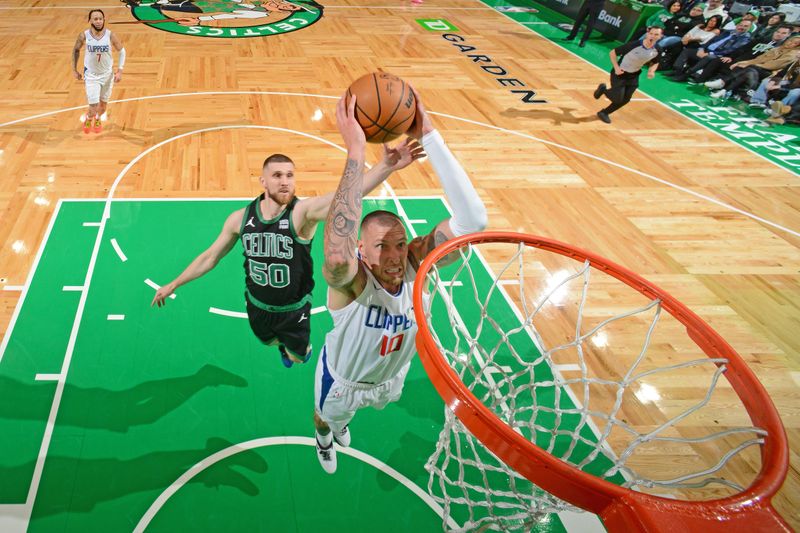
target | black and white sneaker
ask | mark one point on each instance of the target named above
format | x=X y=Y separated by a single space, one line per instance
x=326 y=456
x=342 y=437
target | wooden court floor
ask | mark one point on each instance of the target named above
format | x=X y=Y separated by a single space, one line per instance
x=710 y=222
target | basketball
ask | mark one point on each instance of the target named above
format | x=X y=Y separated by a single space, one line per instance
x=385 y=106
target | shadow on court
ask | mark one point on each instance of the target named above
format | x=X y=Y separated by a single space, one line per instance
x=410 y=456
x=418 y=401
x=564 y=117
x=79 y=476
x=118 y=411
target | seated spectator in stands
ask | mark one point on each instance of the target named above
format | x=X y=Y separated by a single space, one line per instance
x=781 y=90
x=660 y=18
x=751 y=15
x=786 y=116
x=765 y=31
x=714 y=7
x=675 y=28
x=716 y=66
x=721 y=45
x=746 y=75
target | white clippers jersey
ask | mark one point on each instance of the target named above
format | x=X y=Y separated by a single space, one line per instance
x=373 y=337
x=97 y=58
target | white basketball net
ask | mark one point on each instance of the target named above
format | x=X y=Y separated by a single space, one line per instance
x=535 y=358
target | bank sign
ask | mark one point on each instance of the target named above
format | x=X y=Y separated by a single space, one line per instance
x=615 y=20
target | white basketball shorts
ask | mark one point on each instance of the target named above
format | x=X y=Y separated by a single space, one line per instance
x=336 y=400
x=98 y=86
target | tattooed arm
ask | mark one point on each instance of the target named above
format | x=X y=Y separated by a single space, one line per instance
x=76 y=53
x=420 y=247
x=341 y=226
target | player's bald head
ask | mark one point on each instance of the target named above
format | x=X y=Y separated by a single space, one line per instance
x=380 y=218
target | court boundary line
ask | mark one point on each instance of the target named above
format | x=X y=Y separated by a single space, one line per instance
x=262 y=442
x=718 y=203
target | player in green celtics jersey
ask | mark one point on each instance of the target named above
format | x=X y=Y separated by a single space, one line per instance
x=276 y=230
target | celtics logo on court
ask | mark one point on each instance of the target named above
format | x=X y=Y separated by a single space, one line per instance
x=227 y=18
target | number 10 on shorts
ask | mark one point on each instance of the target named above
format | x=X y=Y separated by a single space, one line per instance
x=391 y=344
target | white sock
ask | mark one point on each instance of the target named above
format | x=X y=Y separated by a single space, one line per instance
x=325 y=440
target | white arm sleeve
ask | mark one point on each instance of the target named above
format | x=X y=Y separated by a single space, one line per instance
x=469 y=213
x=121 y=58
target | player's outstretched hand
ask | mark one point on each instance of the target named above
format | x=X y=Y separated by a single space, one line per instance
x=77 y=74
x=352 y=134
x=422 y=122
x=117 y=76
x=400 y=156
x=161 y=296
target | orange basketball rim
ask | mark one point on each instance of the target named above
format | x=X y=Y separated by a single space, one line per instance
x=621 y=509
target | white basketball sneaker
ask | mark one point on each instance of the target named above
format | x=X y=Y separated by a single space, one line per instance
x=342 y=438
x=326 y=456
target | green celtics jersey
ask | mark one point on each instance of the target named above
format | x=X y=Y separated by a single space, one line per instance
x=277 y=262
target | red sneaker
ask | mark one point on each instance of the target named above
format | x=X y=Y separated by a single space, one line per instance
x=98 y=126
x=87 y=125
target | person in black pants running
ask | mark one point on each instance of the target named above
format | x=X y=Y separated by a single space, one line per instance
x=625 y=74
x=590 y=9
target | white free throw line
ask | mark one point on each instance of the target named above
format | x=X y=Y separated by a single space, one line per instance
x=48 y=377
x=116 y=317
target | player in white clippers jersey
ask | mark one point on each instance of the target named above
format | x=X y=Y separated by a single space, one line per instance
x=98 y=67
x=368 y=352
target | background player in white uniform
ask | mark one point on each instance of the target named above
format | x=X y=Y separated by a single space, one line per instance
x=367 y=353
x=98 y=67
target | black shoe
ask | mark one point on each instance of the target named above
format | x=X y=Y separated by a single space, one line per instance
x=604 y=117
x=568 y=38
x=582 y=44
x=599 y=91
